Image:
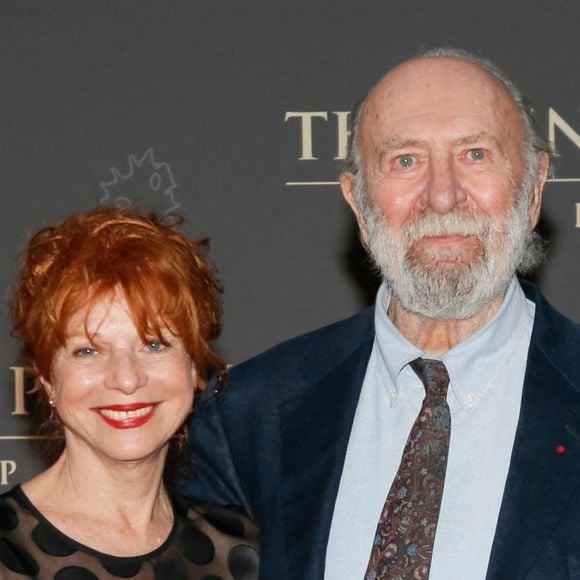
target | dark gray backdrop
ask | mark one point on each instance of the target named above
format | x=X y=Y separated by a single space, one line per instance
x=198 y=93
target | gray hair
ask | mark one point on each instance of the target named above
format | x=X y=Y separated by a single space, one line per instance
x=533 y=143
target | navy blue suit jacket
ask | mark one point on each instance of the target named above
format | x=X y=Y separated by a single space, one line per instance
x=276 y=439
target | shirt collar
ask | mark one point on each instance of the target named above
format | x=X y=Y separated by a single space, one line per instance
x=474 y=364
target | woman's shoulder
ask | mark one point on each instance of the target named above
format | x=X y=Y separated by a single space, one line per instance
x=230 y=520
x=16 y=525
x=226 y=533
x=13 y=506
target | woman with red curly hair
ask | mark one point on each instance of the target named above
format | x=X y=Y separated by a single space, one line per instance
x=116 y=311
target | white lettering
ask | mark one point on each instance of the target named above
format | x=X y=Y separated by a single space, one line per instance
x=555 y=120
x=19 y=392
x=343 y=133
x=7 y=468
x=306 y=128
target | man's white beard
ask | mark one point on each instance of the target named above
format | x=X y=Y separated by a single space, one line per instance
x=444 y=290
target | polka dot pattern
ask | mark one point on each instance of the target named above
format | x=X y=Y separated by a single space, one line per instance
x=196 y=546
x=51 y=541
x=75 y=573
x=207 y=543
x=243 y=561
x=8 y=517
x=121 y=567
x=226 y=521
x=169 y=569
x=16 y=558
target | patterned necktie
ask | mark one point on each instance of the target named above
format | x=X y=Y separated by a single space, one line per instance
x=406 y=531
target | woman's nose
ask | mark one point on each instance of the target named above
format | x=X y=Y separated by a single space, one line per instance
x=126 y=373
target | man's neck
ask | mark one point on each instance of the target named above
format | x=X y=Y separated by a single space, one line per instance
x=435 y=336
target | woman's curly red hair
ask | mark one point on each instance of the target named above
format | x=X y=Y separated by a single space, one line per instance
x=163 y=276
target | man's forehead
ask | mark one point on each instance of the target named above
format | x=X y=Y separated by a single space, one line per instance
x=433 y=74
x=438 y=84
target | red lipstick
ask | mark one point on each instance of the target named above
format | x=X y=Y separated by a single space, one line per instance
x=127 y=416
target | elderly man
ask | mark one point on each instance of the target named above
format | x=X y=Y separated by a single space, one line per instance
x=437 y=434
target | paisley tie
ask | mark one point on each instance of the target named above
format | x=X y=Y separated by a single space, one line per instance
x=405 y=534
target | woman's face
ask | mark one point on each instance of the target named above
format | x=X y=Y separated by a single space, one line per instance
x=117 y=396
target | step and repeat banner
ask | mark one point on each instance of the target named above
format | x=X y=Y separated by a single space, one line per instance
x=236 y=116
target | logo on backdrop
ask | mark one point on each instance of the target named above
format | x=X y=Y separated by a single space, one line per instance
x=316 y=128
x=146 y=183
x=8 y=467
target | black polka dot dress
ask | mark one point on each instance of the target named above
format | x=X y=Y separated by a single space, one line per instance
x=207 y=542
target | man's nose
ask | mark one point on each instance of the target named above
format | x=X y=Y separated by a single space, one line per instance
x=443 y=191
x=126 y=372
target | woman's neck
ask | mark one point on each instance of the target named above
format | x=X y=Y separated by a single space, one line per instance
x=96 y=501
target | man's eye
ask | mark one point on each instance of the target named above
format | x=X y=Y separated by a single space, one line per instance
x=84 y=351
x=406 y=160
x=476 y=154
x=155 y=346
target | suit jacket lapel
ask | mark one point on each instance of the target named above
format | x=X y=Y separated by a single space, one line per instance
x=545 y=463
x=316 y=427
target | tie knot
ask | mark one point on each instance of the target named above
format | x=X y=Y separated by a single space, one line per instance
x=433 y=375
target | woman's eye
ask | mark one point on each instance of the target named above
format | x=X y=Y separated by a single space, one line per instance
x=155 y=346
x=476 y=154
x=84 y=351
x=406 y=160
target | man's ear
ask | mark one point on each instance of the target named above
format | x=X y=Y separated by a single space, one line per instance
x=348 y=191
x=536 y=197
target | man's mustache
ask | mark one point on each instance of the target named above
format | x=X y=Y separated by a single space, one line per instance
x=460 y=223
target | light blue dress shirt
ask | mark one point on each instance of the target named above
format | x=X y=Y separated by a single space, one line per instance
x=486 y=380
